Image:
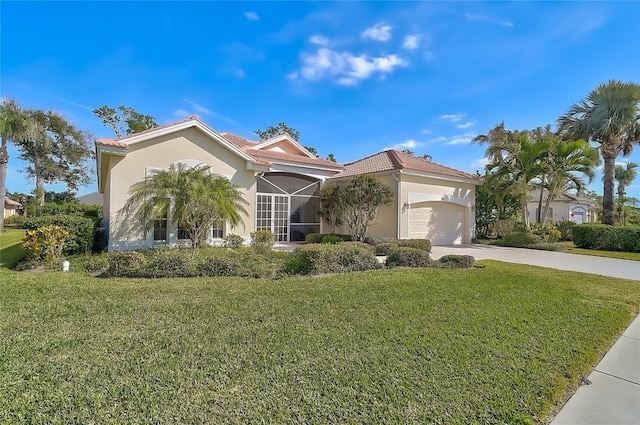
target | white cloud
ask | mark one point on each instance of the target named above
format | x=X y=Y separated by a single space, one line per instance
x=198 y=108
x=439 y=139
x=344 y=67
x=319 y=40
x=466 y=125
x=407 y=144
x=411 y=42
x=378 y=32
x=453 y=117
x=426 y=131
x=252 y=16
x=483 y=18
x=181 y=114
x=480 y=163
x=462 y=139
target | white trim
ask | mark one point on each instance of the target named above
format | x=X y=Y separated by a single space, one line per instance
x=282 y=138
x=415 y=197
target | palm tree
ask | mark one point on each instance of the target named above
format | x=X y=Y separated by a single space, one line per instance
x=624 y=176
x=518 y=161
x=196 y=199
x=566 y=161
x=610 y=116
x=12 y=127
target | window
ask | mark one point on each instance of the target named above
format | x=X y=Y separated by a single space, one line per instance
x=183 y=232
x=217 y=232
x=160 y=230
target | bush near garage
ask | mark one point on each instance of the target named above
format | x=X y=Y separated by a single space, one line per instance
x=453 y=261
x=607 y=238
x=82 y=230
x=337 y=258
x=408 y=257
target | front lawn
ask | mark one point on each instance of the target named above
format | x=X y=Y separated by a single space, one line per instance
x=505 y=343
x=571 y=248
x=10 y=249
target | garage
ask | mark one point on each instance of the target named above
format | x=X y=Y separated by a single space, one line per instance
x=442 y=223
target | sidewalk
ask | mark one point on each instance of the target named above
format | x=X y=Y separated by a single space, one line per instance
x=613 y=396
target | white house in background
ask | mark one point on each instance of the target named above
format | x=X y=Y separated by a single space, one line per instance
x=280 y=180
x=93 y=198
x=11 y=207
x=566 y=207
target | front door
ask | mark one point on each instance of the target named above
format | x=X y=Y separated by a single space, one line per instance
x=273 y=214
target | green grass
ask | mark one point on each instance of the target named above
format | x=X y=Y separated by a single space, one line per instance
x=504 y=343
x=10 y=249
x=570 y=247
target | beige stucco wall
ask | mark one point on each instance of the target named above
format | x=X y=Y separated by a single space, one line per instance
x=189 y=145
x=386 y=226
x=561 y=211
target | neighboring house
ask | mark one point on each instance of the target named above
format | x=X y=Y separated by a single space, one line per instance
x=11 y=207
x=566 y=207
x=93 y=198
x=280 y=179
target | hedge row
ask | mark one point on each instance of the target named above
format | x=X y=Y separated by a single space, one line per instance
x=607 y=238
x=81 y=230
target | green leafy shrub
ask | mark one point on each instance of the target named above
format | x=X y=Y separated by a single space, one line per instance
x=45 y=243
x=262 y=240
x=14 y=220
x=343 y=257
x=421 y=244
x=548 y=233
x=82 y=230
x=216 y=266
x=313 y=238
x=331 y=239
x=504 y=227
x=171 y=262
x=547 y=246
x=565 y=227
x=243 y=262
x=607 y=238
x=385 y=248
x=518 y=240
x=453 y=261
x=72 y=208
x=233 y=241
x=408 y=257
x=125 y=263
x=90 y=263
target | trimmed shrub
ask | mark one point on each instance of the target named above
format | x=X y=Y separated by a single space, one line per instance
x=338 y=258
x=548 y=233
x=408 y=257
x=547 y=246
x=81 y=230
x=262 y=240
x=125 y=263
x=14 y=220
x=385 y=248
x=421 y=244
x=331 y=239
x=172 y=262
x=453 y=261
x=504 y=227
x=90 y=263
x=607 y=238
x=216 y=266
x=233 y=241
x=313 y=238
x=518 y=240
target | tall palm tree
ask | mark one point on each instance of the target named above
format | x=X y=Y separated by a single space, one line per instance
x=519 y=161
x=610 y=116
x=624 y=176
x=12 y=127
x=196 y=199
x=567 y=161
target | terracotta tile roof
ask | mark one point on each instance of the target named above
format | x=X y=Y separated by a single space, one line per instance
x=111 y=142
x=121 y=141
x=271 y=156
x=391 y=160
x=11 y=202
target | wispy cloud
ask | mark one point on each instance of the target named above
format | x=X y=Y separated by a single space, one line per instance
x=407 y=144
x=488 y=20
x=462 y=139
x=466 y=125
x=411 y=42
x=480 y=163
x=453 y=117
x=378 y=32
x=252 y=16
x=70 y=102
x=344 y=68
x=198 y=108
x=319 y=40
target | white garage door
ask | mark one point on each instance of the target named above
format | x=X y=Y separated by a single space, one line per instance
x=440 y=222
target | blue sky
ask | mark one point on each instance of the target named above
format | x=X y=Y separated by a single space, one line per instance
x=353 y=77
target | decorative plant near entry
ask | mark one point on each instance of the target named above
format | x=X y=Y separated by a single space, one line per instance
x=46 y=243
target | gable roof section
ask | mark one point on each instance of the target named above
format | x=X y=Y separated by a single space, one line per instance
x=392 y=160
x=259 y=150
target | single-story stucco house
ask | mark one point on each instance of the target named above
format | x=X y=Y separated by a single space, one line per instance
x=565 y=207
x=11 y=207
x=280 y=180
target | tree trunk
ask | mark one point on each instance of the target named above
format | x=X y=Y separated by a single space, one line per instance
x=525 y=216
x=609 y=152
x=4 y=159
x=546 y=210
x=39 y=193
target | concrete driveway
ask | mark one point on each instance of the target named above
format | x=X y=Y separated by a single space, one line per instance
x=626 y=269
